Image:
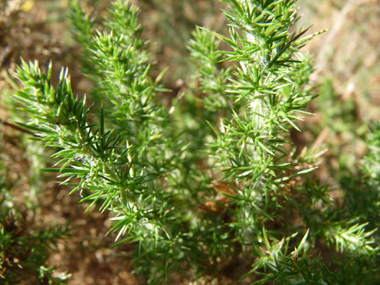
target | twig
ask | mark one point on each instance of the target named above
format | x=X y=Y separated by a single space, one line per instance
x=16 y=127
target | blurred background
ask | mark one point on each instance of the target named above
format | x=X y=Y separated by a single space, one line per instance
x=346 y=76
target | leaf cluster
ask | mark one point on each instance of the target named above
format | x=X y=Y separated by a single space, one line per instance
x=24 y=247
x=212 y=179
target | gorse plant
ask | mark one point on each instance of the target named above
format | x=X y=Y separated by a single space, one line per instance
x=211 y=185
x=24 y=246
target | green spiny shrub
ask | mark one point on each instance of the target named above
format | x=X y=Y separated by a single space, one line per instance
x=210 y=185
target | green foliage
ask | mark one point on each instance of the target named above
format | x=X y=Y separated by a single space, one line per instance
x=24 y=247
x=211 y=181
